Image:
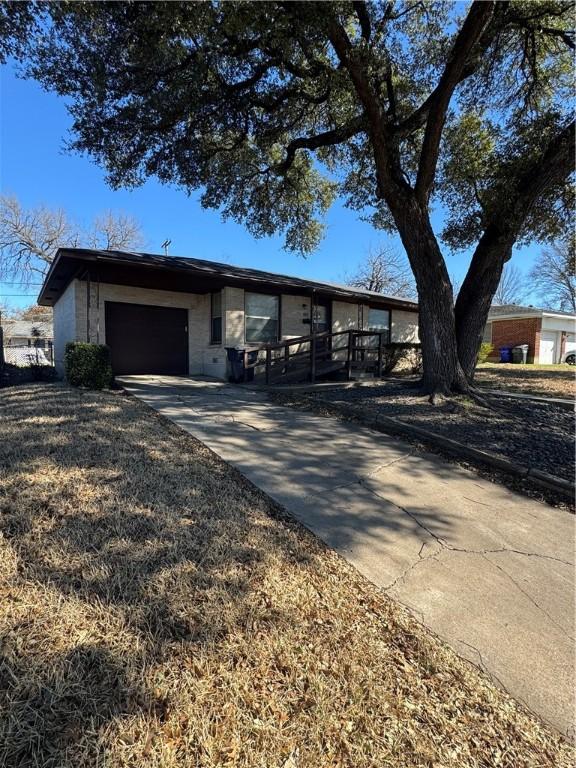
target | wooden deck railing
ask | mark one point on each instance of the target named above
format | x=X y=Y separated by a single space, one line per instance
x=307 y=357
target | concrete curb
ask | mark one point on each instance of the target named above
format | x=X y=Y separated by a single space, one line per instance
x=559 y=402
x=326 y=386
x=536 y=477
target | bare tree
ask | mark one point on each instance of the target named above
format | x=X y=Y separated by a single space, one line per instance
x=553 y=276
x=29 y=238
x=34 y=313
x=115 y=231
x=384 y=271
x=511 y=288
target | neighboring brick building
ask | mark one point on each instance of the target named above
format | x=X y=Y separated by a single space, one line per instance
x=550 y=335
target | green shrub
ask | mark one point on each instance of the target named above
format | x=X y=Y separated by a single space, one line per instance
x=486 y=350
x=88 y=365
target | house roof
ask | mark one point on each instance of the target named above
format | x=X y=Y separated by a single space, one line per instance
x=188 y=275
x=25 y=328
x=517 y=310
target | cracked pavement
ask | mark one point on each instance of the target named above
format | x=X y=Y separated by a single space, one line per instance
x=489 y=571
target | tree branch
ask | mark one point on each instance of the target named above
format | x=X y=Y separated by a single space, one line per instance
x=418 y=118
x=326 y=139
x=469 y=35
x=495 y=246
x=567 y=37
x=363 y=19
x=388 y=169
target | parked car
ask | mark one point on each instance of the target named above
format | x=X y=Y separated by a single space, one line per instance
x=570 y=358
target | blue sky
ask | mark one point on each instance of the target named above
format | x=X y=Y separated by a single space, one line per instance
x=35 y=166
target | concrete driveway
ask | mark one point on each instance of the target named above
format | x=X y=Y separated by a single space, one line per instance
x=489 y=571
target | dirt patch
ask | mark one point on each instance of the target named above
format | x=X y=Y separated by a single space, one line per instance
x=157 y=610
x=547 y=380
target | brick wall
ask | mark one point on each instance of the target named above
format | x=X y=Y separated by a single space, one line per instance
x=512 y=332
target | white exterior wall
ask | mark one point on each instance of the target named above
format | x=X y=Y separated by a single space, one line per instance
x=294 y=310
x=566 y=324
x=65 y=326
x=553 y=328
x=70 y=313
x=404 y=327
x=233 y=309
x=345 y=316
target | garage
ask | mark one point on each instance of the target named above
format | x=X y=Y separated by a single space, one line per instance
x=548 y=348
x=147 y=339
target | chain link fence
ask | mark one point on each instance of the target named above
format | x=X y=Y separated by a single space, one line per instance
x=25 y=356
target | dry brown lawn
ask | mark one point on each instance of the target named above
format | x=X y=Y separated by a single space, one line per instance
x=158 y=611
x=547 y=380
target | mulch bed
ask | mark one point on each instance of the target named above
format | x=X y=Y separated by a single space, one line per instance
x=529 y=433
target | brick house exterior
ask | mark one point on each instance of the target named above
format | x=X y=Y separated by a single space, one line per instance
x=550 y=334
x=516 y=331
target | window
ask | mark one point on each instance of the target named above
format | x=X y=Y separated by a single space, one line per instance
x=216 y=318
x=379 y=320
x=261 y=313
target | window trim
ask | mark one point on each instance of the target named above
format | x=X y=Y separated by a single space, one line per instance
x=212 y=318
x=277 y=296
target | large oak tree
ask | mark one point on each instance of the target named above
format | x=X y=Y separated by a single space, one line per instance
x=272 y=109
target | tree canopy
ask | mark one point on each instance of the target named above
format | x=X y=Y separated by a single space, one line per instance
x=273 y=109
x=252 y=103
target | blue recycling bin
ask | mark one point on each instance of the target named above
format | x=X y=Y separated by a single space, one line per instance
x=505 y=354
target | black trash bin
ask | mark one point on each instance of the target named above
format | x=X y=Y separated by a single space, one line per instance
x=520 y=354
x=238 y=373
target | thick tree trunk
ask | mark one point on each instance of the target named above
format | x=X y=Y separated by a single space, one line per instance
x=495 y=246
x=475 y=297
x=442 y=372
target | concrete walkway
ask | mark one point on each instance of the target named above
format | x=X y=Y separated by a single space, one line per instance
x=488 y=570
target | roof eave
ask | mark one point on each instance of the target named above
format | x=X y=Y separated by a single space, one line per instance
x=282 y=281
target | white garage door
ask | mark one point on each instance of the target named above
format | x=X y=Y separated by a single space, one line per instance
x=570 y=342
x=548 y=354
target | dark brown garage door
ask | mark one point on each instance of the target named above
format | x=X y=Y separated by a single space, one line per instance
x=146 y=339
